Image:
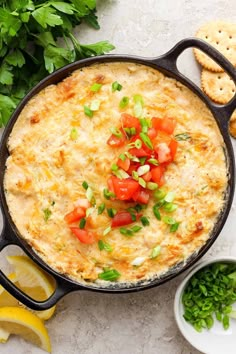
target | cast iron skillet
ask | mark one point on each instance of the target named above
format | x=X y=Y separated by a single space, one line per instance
x=167 y=65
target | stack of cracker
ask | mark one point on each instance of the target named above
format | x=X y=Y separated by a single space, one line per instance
x=214 y=81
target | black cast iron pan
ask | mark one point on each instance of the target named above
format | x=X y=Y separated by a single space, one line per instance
x=167 y=65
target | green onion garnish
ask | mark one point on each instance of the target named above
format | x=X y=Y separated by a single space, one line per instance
x=106 y=231
x=160 y=194
x=82 y=223
x=168 y=220
x=122 y=157
x=170 y=196
x=111 y=212
x=138 y=144
x=116 y=132
x=142 y=170
x=104 y=246
x=114 y=167
x=182 y=137
x=142 y=182
x=107 y=194
x=170 y=207
x=132 y=131
x=88 y=111
x=121 y=174
x=142 y=160
x=144 y=124
x=151 y=186
x=138 y=105
x=131 y=231
x=95 y=87
x=90 y=196
x=136 y=228
x=85 y=185
x=101 y=208
x=124 y=102
x=174 y=227
x=155 y=252
x=135 y=175
x=109 y=274
x=116 y=86
x=144 y=220
x=145 y=138
x=153 y=162
x=156 y=212
x=47 y=214
x=74 y=134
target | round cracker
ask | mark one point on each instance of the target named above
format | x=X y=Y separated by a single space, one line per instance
x=222 y=36
x=232 y=125
x=218 y=86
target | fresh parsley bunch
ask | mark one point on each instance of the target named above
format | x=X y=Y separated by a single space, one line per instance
x=28 y=43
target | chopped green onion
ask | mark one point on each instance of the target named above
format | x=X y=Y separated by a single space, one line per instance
x=174 y=227
x=156 y=212
x=138 y=144
x=144 y=220
x=116 y=132
x=111 y=212
x=82 y=223
x=89 y=194
x=142 y=182
x=114 y=167
x=132 y=131
x=104 y=246
x=88 y=111
x=143 y=169
x=74 y=134
x=138 y=98
x=136 y=228
x=121 y=174
x=106 y=231
x=116 y=86
x=124 y=102
x=152 y=186
x=127 y=130
x=153 y=162
x=135 y=175
x=145 y=138
x=47 y=214
x=160 y=194
x=182 y=137
x=144 y=124
x=109 y=275
x=135 y=159
x=168 y=220
x=122 y=157
x=101 y=208
x=170 y=196
x=170 y=207
x=138 y=105
x=95 y=104
x=142 y=160
x=126 y=232
x=155 y=252
x=89 y=211
x=95 y=87
x=85 y=185
x=107 y=194
x=138 y=261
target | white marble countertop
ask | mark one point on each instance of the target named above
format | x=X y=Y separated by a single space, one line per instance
x=137 y=323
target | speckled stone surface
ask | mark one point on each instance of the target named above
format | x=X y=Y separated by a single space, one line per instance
x=137 y=323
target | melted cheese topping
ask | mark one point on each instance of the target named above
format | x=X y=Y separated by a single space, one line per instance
x=46 y=168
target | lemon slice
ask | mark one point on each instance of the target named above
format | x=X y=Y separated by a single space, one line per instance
x=16 y=320
x=33 y=281
x=7 y=299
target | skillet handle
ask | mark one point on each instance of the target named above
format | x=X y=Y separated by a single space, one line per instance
x=168 y=61
x=63 y=286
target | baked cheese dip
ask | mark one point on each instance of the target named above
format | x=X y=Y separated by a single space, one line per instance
x=115 y=174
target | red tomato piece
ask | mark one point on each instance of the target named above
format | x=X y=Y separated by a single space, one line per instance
x=75 y=215
x=124 y=188
x=165 y=124
x=124 y=164
x=139 y=152
x=173 y=148
x=163 y=152
x=141 y=196
x=133 y=167
x=152 y=133
x=147 y=176
x=115 y=141
x=129 y=121
x=158 y=175
x=83 y=235
x=122 y=218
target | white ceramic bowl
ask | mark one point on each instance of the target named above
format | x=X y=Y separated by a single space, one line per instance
x=217 y=340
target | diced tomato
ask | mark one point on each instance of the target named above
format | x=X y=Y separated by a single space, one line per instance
x=124 y=188
x=139 y=152
x=110 y=184
x=115 y=141
x=173 y=148
x=147 y=176
x=166 y=124
x=163 y=152
x=161 y=137
x=83 y=235
x=133 y=167
x=122 y=218
x=141 y=196
x=152 y=133
x=75 y=215
x=129 y=121
x=124 y=164
x=157 y=175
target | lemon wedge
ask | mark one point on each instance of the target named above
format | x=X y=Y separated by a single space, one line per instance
x=32 y=280
x=19 y=321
